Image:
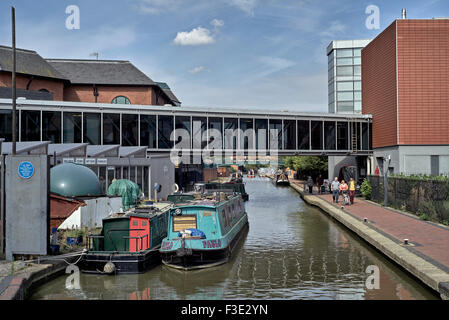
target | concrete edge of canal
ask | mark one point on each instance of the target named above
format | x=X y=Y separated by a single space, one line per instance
x=426 y=272
x=19 y=286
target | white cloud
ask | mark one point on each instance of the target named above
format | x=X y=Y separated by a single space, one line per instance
x=196 y=69
x=335 y=28
x=244 y=5
x=198 y=36
x=217 y=23
x=158 y=6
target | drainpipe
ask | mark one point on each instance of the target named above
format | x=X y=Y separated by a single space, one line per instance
x=29 y=83
x=95 y=92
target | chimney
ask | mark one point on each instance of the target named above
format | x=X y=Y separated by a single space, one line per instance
x=404 y=14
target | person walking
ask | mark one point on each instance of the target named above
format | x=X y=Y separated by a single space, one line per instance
x=344 y=192
x=335 y=188
x=319 y=182
x=351 y=190
x=310 y=184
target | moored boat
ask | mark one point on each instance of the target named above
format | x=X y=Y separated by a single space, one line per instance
x=129 y=242
x=237 y=187
x=281 y=179
x=204 y=232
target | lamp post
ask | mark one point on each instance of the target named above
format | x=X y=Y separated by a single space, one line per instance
x=14 y=120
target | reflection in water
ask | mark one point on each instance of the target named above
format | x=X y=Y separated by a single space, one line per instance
x=292 y=251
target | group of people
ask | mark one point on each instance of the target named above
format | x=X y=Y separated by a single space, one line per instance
x=344 y=189
x=336 y=187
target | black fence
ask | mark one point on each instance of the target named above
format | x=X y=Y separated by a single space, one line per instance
x=421 y=197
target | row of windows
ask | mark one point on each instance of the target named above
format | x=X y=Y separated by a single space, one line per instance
x=349 y=71
x=155 y=131
x=349 y=52
x=349 y=95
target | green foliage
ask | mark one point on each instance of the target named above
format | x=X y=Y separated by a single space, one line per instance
x=445 y=222
x=307 y=163
x=365 y=189
x=424 y=217
x=421 y=177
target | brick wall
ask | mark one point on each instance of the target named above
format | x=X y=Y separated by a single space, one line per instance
x=56 y=87
x=423 y=81
x=84 y=93
x=379 y=86
x=410 y=106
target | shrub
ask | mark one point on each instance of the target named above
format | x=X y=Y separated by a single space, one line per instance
x=424 y=217
x=365 y=189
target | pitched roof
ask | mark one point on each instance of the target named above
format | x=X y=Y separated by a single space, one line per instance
x=108 y=72
x=27 y=62
x=168 y=92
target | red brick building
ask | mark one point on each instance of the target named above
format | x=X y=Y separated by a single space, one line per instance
x=103 y=81
x=405 y=86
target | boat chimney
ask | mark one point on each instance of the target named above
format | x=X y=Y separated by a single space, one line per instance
x=404 y=14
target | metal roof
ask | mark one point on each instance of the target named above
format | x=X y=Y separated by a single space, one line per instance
x=346 y=44
x=27 y=62
x=29 y=147
x=103 y=150
x=126 y=152
x=75 y=149
x=106 y=72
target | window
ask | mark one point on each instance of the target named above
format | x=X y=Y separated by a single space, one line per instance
x=184 y=222
x=44 y=90
x=129 y=129
x=342 y=136
x=357 y=70
x=165 y=129
x=357 y=95
x=182 y=127
x=121 y=100
x=230 y=133
x=111 y=128
x=289 y=134
x=344 y=61
x=329 y=135
x=31 y=129
x=358 y=52
x=148 y=131
x=51 y=126
x=357 y=85
x=358 y=60
x=72 y=127
x=246 y=134
x=262 y=134
x=317 y=135
x=347 y=106
x=345 y=71
x=215 y=133
x=92 y=128
x=345 y=86
x=345 y=96
x=303 y=134
x=344 y=53
x=275 y=134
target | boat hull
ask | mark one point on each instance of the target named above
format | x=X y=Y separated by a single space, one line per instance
x=190 y=259
x=125 y=263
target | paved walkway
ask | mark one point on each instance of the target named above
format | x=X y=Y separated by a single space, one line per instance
x=428 y=240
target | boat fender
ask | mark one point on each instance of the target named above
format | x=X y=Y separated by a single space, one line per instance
x=109 y=268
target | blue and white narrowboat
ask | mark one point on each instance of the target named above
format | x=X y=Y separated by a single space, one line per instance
x=204 y=232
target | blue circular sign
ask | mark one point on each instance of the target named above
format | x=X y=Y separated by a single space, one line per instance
x=25 y=170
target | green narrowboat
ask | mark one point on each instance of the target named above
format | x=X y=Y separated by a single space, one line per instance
x=129 y=242
x=205 y=232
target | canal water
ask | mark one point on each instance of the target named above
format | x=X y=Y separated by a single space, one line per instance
x=292 y=251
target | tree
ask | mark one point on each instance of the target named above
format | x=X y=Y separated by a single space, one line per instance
x=307 y=165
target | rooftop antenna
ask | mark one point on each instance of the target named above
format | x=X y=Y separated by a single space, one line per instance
x=404 y=14
x=94 y=54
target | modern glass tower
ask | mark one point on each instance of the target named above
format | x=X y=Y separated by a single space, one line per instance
x=345 y=75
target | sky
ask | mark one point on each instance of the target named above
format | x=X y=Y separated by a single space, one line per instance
x=265 y=54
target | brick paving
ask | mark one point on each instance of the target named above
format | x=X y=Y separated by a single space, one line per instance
x=429 y=240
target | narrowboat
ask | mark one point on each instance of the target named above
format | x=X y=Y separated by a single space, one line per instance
x=237 y=187
x=204 y=232
x=281 y=179
x=129 y=242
